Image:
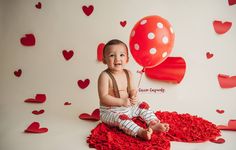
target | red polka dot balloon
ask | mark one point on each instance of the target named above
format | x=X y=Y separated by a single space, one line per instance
x=151 y=41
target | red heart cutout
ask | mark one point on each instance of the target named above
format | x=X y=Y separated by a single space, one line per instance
x=218 y=141
x=39 y=5
x=36 y=112
x=231 y=126
x=100 y=51
x=171 y=70
x=83 y=84
x=231 y=2
x=88 y=10
x=220 y=111
x=68 y=54
x=34 y=128
x=39 y=98
x=28 y=40
x=144 y=105
x=209 y=55
x=226 y=81
x=67 y=103
x=95 y=116
x=220 y=27
x=18 y=73
x=123 y=23
x=124 y=117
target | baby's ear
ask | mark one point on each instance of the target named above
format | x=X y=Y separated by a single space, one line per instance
x=127 y=59
x=104 y=61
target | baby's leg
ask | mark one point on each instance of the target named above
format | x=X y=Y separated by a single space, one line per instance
x=143 y=110
x=125 y=123
x=120 y=120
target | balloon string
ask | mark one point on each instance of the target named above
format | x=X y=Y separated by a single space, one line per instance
x=143 y=70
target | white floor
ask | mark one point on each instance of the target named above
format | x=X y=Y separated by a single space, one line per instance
x=67 y=131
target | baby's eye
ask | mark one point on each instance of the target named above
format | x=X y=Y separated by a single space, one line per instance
x=111 y=55
x=122 y=55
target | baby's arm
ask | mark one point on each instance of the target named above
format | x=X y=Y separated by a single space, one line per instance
x=133 y=92
x=103 y=91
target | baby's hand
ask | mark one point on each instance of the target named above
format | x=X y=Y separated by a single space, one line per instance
x=133 y=100
x=133 y=93
x=133 y=97
x=127 y=102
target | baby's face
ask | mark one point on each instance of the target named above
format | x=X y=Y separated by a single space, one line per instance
x=116 y=57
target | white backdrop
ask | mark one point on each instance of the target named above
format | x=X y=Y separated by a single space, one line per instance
x=62 y=25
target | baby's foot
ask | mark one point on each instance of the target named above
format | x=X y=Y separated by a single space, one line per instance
x=145 y=134
x=157 y=126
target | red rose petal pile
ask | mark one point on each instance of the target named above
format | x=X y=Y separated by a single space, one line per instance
x=183 y=128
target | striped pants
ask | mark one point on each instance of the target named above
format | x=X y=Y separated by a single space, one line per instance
x=122 y=116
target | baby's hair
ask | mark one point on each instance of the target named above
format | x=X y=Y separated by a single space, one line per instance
x=113 y=42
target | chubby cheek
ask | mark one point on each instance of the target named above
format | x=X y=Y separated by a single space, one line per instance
x=125 y=60
x=110 y=62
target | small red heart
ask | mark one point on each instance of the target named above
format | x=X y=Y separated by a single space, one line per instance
x=28 y=40
x=18 y=73
x=67 y=103
x=95 y=116
x=68 y=54
x=226 y=81
x=100 y=51
x=231 y=2
x=144 y=105
x=34 y=128
x=88 y=10
x=123 y=23
x=220 y=27
x=124 y=117
x=83 y=84
x=39 y=5
x=38 y=112
x=218 y=141
x=220 y=111
x=209 y=55
x=39 y=98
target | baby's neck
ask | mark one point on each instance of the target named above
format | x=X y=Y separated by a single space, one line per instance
x=116 y=71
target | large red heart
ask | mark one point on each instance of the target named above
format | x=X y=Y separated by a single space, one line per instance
x=100 y=51
x=226 y=81
x=231 y=2
x=95 y=116
x=231 y=126
x=209 y=55
x=220 y=27
x=88 y=10
x=28 y=40
x=18 y=73
x=34 y=128
x=123 y=23
x=218 y=141
x=39 y=5
x=83 y=84
x=38 y=112
x=68 y=54
x=39 y=98
x=171 y=70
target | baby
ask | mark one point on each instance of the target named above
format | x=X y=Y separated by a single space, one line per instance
x=118 y=95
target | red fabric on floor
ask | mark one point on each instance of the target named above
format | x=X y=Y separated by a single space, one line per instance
x=183 y=128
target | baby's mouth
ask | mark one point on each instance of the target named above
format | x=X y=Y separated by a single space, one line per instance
x=118 y=64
